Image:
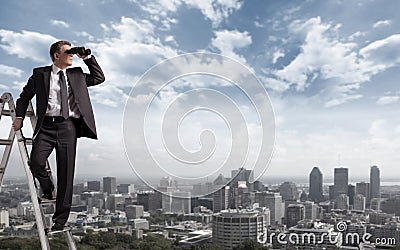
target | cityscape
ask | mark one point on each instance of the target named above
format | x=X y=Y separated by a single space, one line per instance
x=288 y=215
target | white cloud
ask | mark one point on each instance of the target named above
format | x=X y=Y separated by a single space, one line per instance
x=382 y=23
x=10 y=71
x=27 y=44
x=326 y=56
x=228 y=41
x=258 y=24
x=321 y=56
x=277 y=54
x=85 y=34
x=214 y=10
x=383 y=54
x=59 y=23
x=129 y=49
x=384 y=100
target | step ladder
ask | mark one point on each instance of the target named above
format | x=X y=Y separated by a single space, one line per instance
x=43 y=226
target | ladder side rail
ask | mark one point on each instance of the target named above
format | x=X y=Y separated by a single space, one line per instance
x=6 y=155
x=9 y=142
x=31 y=184
x=70 y=240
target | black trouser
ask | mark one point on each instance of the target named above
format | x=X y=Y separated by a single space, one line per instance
x=61 y=135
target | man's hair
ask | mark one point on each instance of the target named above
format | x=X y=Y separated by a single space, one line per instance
x=56 y=48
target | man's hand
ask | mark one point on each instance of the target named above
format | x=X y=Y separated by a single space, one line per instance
x=17 y=123
x=82 y=56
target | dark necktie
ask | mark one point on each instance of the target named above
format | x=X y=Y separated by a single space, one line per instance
x=64 y=95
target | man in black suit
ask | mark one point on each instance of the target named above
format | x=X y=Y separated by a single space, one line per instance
x=64 y=113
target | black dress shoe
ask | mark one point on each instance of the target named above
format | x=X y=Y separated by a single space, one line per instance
x=57 y=227
x=47 y=196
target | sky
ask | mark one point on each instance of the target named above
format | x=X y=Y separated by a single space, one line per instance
x=330 y=69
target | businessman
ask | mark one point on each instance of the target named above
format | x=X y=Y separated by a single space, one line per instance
x=64 y=113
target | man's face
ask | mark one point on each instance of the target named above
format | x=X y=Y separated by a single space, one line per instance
x=63 y=59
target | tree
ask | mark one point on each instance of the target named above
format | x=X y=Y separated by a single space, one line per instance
x=250 y=244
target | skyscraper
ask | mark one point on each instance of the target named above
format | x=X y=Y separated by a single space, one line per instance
x=221 y=199
x=288 y=191
x=110 y=185
x=294 y=214
x=232 y=227
x=242 y=174
x=93 y=186
x=316 y=182
x=375 y=182
x=363 y=189
x=341 y=181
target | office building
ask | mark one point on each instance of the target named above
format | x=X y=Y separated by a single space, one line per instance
x=242 y=174
x=126 y=188
x=342 y=202
x=151 y=201
x=294 y=214
x=232 y=227
x=362 y=188
x=134 y=211
x=4 y=218
x=341 y=181
x=272 y=201
x=359 y=202
x=288 y=191
x=351 y=193
x=316 y=183
x=110 y=185
x=375 y=182
x=221 y=199
x=173 y=202
x=93 y=186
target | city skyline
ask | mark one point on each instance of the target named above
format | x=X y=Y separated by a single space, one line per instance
x=329 y=67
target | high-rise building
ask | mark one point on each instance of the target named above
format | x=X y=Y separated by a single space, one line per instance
x=362 y=188
x=272 y=201
x=242 y=174
x=151 y=201
x=311 y=210
x=316 y=182
x=375 y=182
x=351 y=193
x=134 y=211
x=126 y=188
x=4 y=218
x=176 y=202
x=359 y=202
x=342 y=202
x=93 y=186
x=113 y=201
x=288 y=191
x=341 y=181
x=221 y=199
x=294 y=214
x=109 y=185
x=232 y=227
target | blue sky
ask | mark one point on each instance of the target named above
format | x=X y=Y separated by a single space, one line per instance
x=331 y=69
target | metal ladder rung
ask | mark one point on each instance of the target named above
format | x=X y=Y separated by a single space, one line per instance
x=6 y=112
x=6 y=142
x=28 y=141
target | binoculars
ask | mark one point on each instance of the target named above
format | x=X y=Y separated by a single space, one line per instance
x=79 y=50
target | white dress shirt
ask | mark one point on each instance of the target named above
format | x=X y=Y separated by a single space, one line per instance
x=54 y=102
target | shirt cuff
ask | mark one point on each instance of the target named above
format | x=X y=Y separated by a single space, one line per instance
x=88 y=57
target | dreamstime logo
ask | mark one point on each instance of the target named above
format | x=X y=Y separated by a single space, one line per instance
x=195 y=116
x=341 y=226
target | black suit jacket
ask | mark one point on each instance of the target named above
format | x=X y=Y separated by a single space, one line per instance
x=39 y=85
